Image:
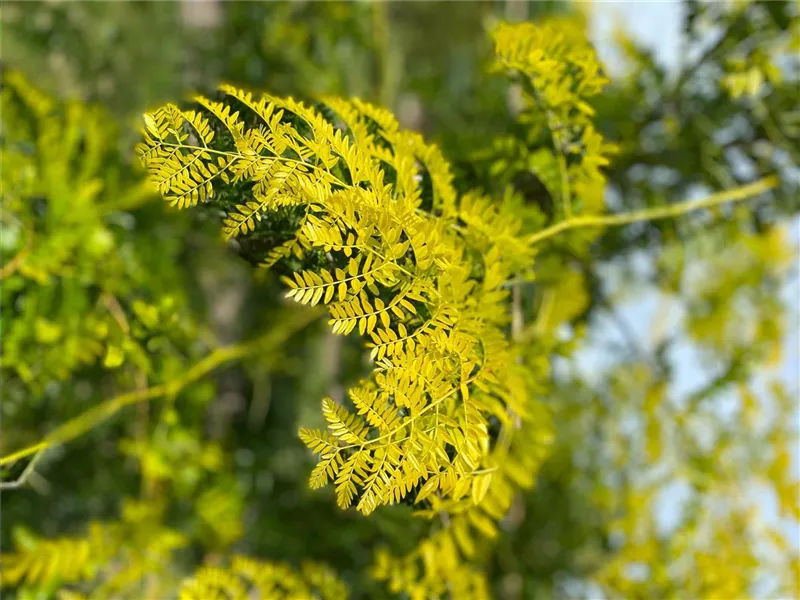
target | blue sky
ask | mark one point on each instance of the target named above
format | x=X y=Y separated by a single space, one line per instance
x=654 y=24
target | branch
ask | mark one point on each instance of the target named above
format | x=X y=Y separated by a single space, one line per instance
x=26 y=474
x=664 y=212
x=89 y=419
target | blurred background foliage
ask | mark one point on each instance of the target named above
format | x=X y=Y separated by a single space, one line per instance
x=674 y=472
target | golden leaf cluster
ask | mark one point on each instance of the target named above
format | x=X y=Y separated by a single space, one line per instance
x=418 y=272
x=559 y=73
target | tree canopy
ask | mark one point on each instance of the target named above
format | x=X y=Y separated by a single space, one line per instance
x=327 y=300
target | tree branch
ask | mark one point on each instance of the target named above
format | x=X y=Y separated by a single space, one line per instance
x=89 y=419
x=652 y=214
x=26 y=474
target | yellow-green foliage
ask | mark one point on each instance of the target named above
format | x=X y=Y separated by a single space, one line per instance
x=424 y=284
x=248 y=578
x=67 y=260
x=362 y=217
x=559 y=73
x=68 y=244
x=420 y=272
x=65 y=559
x=133 y=558
x=116 y=557
x=369 y=225
x=433 y=570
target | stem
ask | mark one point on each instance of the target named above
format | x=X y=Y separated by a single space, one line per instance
x=26 y=474
x=664 y=212
x=93 y=417
x=410 y=420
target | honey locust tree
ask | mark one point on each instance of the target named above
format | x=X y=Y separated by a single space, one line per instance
x=470 y=289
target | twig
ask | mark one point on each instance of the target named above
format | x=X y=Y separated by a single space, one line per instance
x=93 y=417
x=652 y=214
x=26 y=474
